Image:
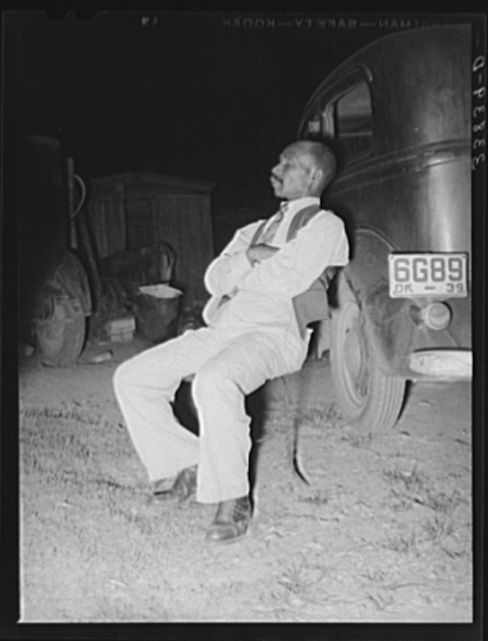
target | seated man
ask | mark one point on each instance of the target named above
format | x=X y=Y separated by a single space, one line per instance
x=255 y=331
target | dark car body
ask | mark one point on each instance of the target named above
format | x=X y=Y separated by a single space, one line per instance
x=398 y=113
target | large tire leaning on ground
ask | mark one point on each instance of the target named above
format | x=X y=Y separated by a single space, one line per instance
x=60 y=339
x=65 y=303
x=369 y=399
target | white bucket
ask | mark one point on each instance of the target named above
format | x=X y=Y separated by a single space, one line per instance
x=157 y=309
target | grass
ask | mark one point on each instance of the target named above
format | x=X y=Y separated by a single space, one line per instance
x=90 y=529
x=68 y=413
x=357 y=440
x=315 y=418
x=403 y=542
x=411 y=542
x=318 y=499
x=409 y=487
x=104 y=528
x=412 y=486
x=441 y=502
x=412 y=480
x=437 y=529
x=374 y=575
x=301 y=579
x=381 y=601
x=331 y=415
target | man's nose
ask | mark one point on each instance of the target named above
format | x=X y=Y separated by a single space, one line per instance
x=276 y=170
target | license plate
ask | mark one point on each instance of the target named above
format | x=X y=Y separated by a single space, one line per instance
x=413 y=275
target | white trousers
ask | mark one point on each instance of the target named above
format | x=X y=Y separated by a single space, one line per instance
x=227 y=367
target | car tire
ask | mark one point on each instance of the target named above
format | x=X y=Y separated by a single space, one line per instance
x=60 y=339
x=369 y=398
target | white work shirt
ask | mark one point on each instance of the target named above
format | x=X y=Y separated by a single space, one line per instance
x=261 y=295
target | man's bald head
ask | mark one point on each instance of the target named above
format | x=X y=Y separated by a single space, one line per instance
x=305 y=169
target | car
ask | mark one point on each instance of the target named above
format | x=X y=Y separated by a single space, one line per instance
x=398 y=114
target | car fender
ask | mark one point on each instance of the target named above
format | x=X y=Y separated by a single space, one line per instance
x=366 y=277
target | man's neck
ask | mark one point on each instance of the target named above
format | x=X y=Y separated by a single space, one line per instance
x=296 y=202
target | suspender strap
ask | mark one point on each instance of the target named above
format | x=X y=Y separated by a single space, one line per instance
x=258 y=232
x=300 y=219
x=311 y=305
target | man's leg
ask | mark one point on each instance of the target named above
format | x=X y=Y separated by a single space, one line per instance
x=145 y=387
x=219 y=391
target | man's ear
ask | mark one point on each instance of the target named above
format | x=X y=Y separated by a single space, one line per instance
x=317 y=179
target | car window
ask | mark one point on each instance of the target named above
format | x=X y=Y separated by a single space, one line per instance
x=347 y=119
x=313 y=130
x=353 y=120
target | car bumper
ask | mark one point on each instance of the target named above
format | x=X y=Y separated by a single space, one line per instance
x=441 y=364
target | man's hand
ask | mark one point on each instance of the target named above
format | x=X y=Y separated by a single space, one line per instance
x=258 y=253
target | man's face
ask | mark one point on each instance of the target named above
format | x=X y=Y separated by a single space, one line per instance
x=293 y=176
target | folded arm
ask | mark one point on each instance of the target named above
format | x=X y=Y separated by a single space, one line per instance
x=225 y=272
x=293 y=268
x=258 y=253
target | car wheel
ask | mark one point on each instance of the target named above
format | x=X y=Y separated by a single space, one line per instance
x=60 y=338
x=368 y=398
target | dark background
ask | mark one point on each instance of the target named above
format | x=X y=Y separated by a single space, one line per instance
x=211 y=96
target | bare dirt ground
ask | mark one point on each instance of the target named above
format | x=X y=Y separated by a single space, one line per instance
x=382 y=532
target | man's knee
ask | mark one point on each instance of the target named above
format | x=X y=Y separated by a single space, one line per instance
x=208 y=379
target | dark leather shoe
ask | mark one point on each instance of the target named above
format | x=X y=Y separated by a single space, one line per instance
x=231 y=521
x=184 y=488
